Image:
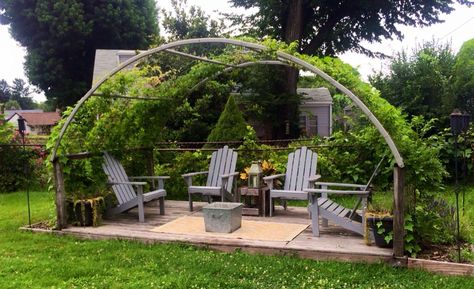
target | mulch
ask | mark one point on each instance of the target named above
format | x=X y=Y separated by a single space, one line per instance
x=446 y=253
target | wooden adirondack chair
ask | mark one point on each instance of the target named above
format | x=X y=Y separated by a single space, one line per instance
x=300 y=174
x=327 y=209
x=220 y=177
x=122 y=186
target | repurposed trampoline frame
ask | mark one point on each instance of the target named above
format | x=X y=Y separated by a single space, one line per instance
x=283 y=59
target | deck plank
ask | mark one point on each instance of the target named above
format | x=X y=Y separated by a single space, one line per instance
x=334 y=242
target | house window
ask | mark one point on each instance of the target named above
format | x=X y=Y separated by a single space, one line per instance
x=308 y=125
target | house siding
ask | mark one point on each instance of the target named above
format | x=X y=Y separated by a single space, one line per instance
x=323 y=113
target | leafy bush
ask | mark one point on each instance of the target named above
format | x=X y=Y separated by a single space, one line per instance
x=231 y=125
x=176 y=164
x=18 y=167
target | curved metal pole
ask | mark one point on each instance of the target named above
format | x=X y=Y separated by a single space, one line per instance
x=250 y=45
x=197 y=57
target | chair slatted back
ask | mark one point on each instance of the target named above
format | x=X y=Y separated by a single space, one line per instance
x=223 y=161
x=301 y=165
x=116 y=173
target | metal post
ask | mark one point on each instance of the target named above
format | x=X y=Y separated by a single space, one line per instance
x=456 y=191
x=459 y=123
x=21 y=130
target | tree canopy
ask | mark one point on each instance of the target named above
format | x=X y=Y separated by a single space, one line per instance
x=61 y=38
x=464 y=77
x=420 y=82
x=16 y=95
x=192 y=23
x=331 y=27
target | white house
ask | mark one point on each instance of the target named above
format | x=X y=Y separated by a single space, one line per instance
x=316 y=111
x=37 y=122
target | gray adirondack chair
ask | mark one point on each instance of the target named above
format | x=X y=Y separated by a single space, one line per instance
x=325 y=208
x=123 y=187
x=220 y=177
x=300 y=174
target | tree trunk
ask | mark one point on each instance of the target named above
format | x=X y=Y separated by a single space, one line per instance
x=293 y=31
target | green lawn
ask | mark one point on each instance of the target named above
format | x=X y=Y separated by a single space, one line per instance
x=40 y=261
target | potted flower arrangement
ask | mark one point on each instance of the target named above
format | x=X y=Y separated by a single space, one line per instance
x=86 y=210
x=267 y=167
x=380 y=220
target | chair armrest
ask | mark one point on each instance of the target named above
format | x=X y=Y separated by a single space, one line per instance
x=194 y=174
x=226 y=176
x=128 y=183
x=338 y=192
x=269 y=178
x=314 y=178
x=149 y=178
x=340 y=185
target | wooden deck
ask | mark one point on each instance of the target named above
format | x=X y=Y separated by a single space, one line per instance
x=334 y=243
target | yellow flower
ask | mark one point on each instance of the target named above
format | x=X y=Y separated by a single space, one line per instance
x=265 y=165
x=244 y=175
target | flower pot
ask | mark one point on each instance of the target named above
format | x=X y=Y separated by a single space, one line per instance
x=88 y=212
x=382 y=227
x=83 y=213
x=222 y=217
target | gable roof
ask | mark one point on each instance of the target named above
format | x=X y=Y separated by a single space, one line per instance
x=11 y=112
x=315 y=95
x=40 y=118
x=108 y=59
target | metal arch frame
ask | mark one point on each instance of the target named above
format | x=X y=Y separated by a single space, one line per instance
x=258 y=47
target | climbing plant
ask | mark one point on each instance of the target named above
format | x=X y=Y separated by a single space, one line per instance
x=179 y=113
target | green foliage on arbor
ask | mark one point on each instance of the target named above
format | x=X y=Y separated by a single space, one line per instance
x=61 y=38
x=420 y=83
x=179 y=113
x=231 y=125
x=464 y=77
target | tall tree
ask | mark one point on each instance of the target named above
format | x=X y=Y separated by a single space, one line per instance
x=420 y=83
x=61 y=38
x=20 y=92
x=464 y=77
x=191 y=23
x=328 y=27
x=4 y=91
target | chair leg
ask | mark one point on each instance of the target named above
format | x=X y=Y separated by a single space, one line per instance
x=162 y=205
x=141 y=210
x=271 y=207
x=190 y=202
x=314 y=219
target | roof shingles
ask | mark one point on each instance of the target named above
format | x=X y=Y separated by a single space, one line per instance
x=41 y=118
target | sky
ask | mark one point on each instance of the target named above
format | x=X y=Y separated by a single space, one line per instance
x=457 y=28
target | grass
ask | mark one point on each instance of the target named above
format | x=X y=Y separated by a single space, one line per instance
x=42 y=261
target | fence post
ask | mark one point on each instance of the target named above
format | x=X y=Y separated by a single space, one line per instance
x=61 y=215
x=398 y=211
